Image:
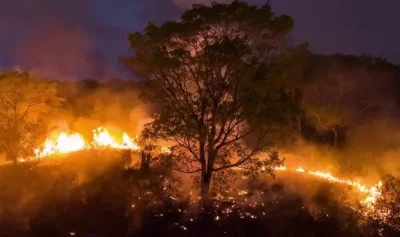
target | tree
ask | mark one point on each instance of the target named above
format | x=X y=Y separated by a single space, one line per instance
x=148 y=153
x=336 y=98
x=293 y=70
x=214 y=71
x=23 y=102
x=386 y=209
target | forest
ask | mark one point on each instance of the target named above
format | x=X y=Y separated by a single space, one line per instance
x=225 y=128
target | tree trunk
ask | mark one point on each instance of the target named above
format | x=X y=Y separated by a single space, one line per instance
x=145 y=167
x=300 y=135
x=144 y=164
x=335 y=137
x=126 y=158
x=205 y=184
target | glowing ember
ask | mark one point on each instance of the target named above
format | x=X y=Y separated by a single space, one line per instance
x=281 y=168
x=301 y=170
x=165 y=150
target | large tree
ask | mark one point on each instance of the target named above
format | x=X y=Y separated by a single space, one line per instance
x=23 y=102
x=214 y=70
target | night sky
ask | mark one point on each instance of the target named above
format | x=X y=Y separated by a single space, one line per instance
x=78 y=39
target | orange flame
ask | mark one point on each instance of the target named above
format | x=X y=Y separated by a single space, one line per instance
x=371 y=193
x=66 y=143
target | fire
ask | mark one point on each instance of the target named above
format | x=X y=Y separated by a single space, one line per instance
x=102 y=138
x=66 y=143
x=166 y=150
x=371 y=193
x=129 y=143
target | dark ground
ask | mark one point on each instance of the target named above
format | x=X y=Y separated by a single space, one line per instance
x=62 y=200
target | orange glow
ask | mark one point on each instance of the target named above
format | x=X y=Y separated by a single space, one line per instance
x=371 y=193
x=64 y=143
x=101 y=137
x=71 y=142
x=129 y=142
x=165 y=150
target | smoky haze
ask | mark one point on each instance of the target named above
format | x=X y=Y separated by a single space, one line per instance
x=59 y=40
x=368 y=146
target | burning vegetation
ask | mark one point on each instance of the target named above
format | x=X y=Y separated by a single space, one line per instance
x=198 y=137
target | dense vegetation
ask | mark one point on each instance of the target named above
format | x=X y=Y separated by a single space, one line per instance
x=225 y=88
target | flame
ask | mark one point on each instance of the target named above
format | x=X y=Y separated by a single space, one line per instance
x=282 y=168
x=371 y=193
x=64 y=143
x=101 y=137
x=166 y=150
x=129 y=143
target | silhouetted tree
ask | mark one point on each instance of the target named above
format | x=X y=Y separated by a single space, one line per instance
x=214 y=69
x=337 y=98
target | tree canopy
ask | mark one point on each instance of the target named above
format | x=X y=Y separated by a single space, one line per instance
x=215 y=70
x=23 y=102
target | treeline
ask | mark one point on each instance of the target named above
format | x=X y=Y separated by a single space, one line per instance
x=370 y=88
x=339 y=92
x=308 y=107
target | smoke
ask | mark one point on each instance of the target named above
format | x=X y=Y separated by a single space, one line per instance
x=74 y=39
x=376 y=143
x=58 y=40
x=368 y=143
x=115 y=105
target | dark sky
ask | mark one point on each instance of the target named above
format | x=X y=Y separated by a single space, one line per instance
x=77 y=39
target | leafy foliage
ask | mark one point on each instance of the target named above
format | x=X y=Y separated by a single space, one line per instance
x=215 y=69
x=23 y=102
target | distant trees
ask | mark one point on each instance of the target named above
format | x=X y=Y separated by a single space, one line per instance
x=329 y=101
x=23 y=101
x=340 y=93
x=214 y=69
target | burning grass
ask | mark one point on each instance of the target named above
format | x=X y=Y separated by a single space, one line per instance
x=159 y=199
x=49 y=200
